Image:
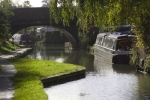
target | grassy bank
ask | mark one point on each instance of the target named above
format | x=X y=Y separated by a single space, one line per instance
x=7 y=47
x=27 y=81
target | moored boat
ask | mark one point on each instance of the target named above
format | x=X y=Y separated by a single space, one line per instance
x=21 y=39
x=113 y=47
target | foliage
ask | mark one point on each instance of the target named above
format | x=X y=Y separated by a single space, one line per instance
x=134 y=59
x=7 y=47
x=100 y=13
x=147 y=65
x=90 y=49
x=27 y=81
x=25 y=4
x=104 y=13
x=5 y=13
x=45 y=3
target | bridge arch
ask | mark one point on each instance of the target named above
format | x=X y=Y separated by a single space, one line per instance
x=71 y=39
x=39 y=16
x=69 y=36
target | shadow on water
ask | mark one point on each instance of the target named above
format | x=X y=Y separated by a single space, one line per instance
x=123 y=68
x=101 y=66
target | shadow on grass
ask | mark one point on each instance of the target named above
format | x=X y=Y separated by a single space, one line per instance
x=27 y=80
x=28 y=86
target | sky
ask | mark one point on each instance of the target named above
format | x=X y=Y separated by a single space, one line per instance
x=34 y=3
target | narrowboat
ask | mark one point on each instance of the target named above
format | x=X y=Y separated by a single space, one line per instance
x=21 y=39
x=113 y=47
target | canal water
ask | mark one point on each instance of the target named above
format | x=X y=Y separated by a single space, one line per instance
x=103 y=81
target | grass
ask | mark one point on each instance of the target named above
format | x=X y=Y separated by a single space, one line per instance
x=7 y=47
x=27 y=81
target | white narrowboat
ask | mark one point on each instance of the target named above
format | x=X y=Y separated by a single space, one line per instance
x=113 y=47
x=21 y=39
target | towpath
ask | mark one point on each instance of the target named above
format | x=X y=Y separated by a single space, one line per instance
x=8 y=71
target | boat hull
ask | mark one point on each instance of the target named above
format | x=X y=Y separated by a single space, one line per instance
x=110 y=56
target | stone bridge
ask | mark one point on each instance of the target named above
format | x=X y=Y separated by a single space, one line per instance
x=40 y=16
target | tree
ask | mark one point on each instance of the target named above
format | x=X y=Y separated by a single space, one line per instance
x=5 y=13
x=104 y=13
x=26 y=4
x=45 y=3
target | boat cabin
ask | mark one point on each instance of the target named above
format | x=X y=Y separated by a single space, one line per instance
x=114 y=46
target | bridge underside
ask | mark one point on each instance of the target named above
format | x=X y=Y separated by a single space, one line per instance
x=71 y=31
x=70 y=37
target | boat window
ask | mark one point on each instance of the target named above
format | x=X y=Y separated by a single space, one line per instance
x=100 y=40
x=109 y=43
x=124 y=44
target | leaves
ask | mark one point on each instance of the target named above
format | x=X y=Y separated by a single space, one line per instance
x=104 y=13
x=5 y=13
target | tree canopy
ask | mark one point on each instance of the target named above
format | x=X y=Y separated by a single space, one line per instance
x=5 y=13
x=104 y=13
x=45 y=3
x=25 y=4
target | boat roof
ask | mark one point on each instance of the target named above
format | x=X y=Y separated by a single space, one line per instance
x=115 y=35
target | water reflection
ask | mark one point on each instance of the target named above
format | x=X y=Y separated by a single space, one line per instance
x=102 y=67
x=49 y=52
x=104 y=81
x=123 y=68
x=143 y=86
x=60 y=54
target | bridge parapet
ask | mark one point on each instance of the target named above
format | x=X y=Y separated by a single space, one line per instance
x=31 y=13
x=33 y=16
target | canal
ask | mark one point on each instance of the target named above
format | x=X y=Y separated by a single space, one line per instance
x=103 y=81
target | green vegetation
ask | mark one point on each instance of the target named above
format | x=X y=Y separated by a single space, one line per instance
x=27 y=81
x=5 y=14
x=104 y=13
x=7 y=47
x=91 y=49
